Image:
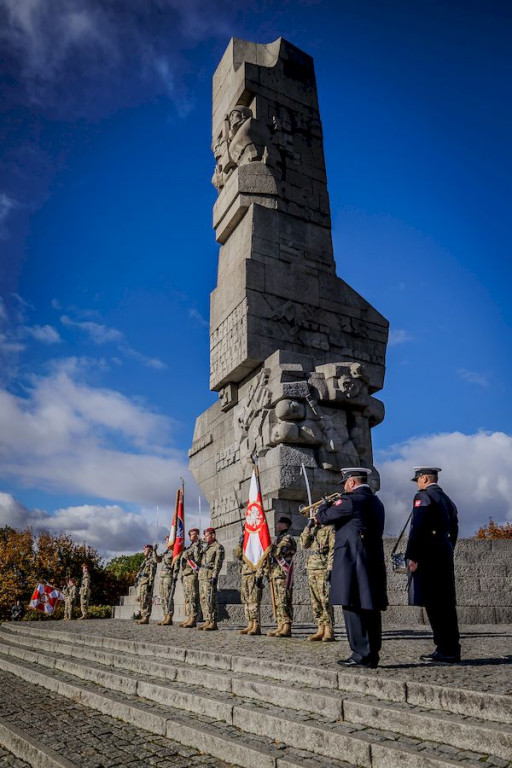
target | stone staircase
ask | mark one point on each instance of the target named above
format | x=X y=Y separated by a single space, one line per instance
x=260 y=713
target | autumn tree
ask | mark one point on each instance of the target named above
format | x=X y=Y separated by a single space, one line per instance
x=494 y=531
x=26 y=560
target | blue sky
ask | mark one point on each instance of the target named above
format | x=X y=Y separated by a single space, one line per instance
x=108 y=255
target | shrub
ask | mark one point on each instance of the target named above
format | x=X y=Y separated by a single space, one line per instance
x=494 y=531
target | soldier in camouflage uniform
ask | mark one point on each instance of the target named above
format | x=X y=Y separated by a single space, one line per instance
x=70 y=593
x=190 y=566
x=146 y=580
x=85 y=590
x=279 y=563
x=169 y=573
x=211 y=563
x=320 y=541
x=250 y=592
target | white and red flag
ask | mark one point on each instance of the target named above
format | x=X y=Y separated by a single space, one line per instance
x=177 y=534
x=257 y=540
x=45 y=598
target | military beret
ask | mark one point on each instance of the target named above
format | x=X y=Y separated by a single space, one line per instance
x=148 y=546
x=348 y=472
x=418 y=471
x=285 y=520
x=192 y=530
x=209 y=530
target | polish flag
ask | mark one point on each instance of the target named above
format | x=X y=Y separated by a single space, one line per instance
x=177 y=535
x=257 y=541
x=45 y=598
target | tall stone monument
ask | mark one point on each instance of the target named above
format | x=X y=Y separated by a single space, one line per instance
x=295 y=353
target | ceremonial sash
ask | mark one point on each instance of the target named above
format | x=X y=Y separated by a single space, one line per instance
x=288 y=569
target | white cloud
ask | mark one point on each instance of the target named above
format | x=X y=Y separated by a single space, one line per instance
x=196 y=315
x=107 y=47
x=7 y=204
x=98 y=333
x=473 y=377
x=477 y=475
x=109 y=528
x=398 y=336
x=68 y=436
x=44 y=333
x=103 y=334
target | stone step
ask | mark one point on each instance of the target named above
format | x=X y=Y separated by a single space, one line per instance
x=452 y=730
x=201 y=733
x=29 y=750
x=468 y=703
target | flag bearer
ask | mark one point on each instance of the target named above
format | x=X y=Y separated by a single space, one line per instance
x=169 y=572
x=250 y=592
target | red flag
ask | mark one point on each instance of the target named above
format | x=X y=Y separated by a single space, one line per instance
x=45 y=598
x=257 y=540
x=179 y=528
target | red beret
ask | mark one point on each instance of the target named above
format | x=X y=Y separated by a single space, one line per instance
x=148 y=546
x=194 y=529
x=209 y=530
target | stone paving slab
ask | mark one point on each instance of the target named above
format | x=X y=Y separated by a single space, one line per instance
x=486 y=649
x=305 y=729
x=89 y=738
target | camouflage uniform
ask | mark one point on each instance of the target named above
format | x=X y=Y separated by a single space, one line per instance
x=85 y=592
x=249 y=591
x=320 y=541
x=169 y=572
x=70 y=592
x=145 y=585
x=190 y=578
x=211 y=563
x=283 y=548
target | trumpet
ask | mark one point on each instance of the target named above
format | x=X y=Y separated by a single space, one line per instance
x=311 y=509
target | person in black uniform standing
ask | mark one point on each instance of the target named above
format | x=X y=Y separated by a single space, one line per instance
x=358 y=580
x=432 y=538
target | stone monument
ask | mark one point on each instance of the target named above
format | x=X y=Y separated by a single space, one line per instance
x=295 y=353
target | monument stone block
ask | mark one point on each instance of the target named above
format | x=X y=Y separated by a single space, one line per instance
x=295 y=353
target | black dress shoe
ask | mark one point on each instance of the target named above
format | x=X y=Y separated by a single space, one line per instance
x=367 y=663
x=440 y=658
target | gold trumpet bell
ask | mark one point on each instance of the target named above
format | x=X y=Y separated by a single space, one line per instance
x=311 y=509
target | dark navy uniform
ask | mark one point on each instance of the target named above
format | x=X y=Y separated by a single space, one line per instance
x=432 y=538
x=358 y=580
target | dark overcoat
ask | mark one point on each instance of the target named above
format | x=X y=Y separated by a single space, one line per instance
x=432 y=538
x=358 y=578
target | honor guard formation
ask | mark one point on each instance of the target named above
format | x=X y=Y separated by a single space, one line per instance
x=345 y=567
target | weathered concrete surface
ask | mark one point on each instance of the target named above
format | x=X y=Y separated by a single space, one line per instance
x=295 y=353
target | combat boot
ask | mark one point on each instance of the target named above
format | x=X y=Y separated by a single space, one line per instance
x=161 y=623
x=285 y=631
x=255 y=629
x=319 y=634
x=328 y=634
x=246 y=630
x=191 y=623
x=167 y=622
x=211 y=626
x=183 y=623
x=203 y=626
x=273 y=632
x=144 y=620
